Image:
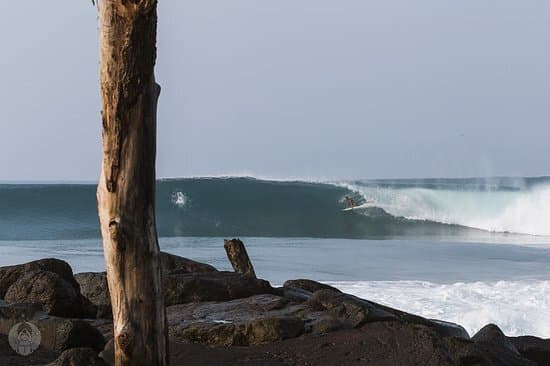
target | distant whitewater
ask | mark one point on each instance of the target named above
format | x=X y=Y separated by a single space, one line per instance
x=460 y=208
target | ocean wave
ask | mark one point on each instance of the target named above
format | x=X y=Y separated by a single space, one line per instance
x=491 y=207
x=469 y=209
x=517 y=307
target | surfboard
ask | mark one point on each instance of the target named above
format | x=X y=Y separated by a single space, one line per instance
x=360 y=207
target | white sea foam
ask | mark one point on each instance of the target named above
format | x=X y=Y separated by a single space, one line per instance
x=179 y=199
x=524 y=211
x=517 y=307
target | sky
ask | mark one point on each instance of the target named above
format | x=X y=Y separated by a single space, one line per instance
x=307 y=89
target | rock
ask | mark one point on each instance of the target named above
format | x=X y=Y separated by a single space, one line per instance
x=10 y=274
x=493 y=336
x=171 y=262
x=387 y=343
x=79 y=357
x=8 y=357
x=308 y=285
x=448 y=329
x=466 y=352
x=241 y=322
x=59 y=334
x=274 y=329
x=56 y=295
x=19 y=311
x=328 y=324
x=108 y=353
x=93 y=286
x=348 y=308
x=183 y=288
x=533 y=348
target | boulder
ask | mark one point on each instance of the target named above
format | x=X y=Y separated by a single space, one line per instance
x=328 y=324
x=253 y=320
x=10 y=274
x=273 y=329
x=181 y=288
x=533 y=348
x=60 y=334
x=447 y=329
x=491 y=335
x=308 y=285
x=108 y=353
x=79 y=357
x=56 y=295
x=348 y=308
x=8 y=357
x=19 y=311
x=387 y=343
x=467 y=352
x=171 y=262
x=93 y=286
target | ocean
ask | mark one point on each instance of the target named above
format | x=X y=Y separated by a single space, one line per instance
x=471 y=251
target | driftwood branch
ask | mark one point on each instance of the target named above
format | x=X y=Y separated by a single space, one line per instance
x=236 y=252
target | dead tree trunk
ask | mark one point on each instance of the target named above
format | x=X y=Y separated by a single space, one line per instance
x=126 y=191
x=237 y=255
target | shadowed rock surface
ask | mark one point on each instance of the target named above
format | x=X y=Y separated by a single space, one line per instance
x=93 y=286
x=533 y=348
x=79 y=357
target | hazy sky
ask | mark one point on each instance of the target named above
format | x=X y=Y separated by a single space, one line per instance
x=292 y=88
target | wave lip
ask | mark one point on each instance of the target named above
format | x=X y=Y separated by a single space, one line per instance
x=492 y=209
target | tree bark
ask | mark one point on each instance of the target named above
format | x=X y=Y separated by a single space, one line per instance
x=126 y=191
x=237 y=255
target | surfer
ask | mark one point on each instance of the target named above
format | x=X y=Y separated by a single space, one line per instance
x=350 y=202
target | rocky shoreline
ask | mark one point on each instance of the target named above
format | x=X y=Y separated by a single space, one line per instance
x=229 y=318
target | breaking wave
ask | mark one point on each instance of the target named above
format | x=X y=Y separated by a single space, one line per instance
x=459 y=208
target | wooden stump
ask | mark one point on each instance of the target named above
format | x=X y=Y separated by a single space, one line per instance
x=236 y=252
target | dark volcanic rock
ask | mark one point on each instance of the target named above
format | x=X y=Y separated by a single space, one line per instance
x=108 y=353
x=252 y=320
x=328 y=324
x=60 y=334
x=469 y=353
x=10 y=274
x=308 y=285
x=79 y=357
x=348 y=308
x=533 y=348
x=388 y=343
x=274 y=329
x=8 y=357
x=93 y=286
x=171 y=262
x=183 y=288
x=54 y=293
x=19 y=311
x=493 y=336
